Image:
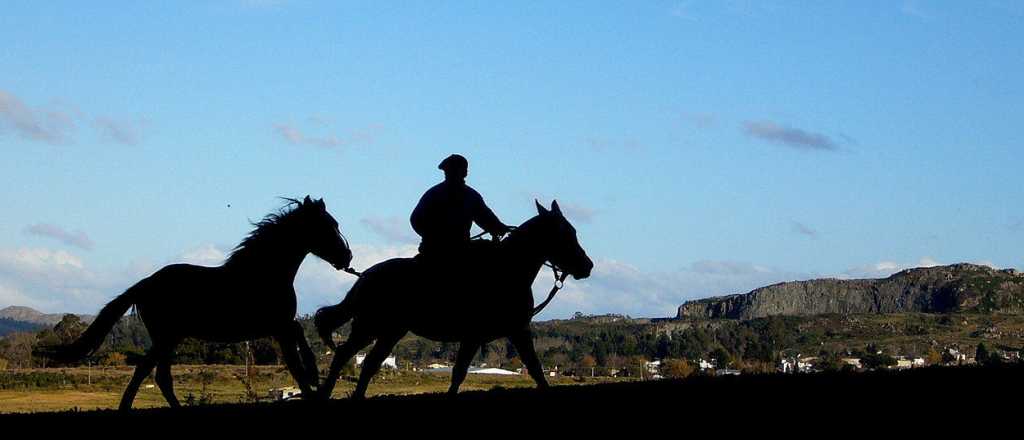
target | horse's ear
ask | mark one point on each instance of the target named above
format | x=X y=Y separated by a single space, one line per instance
x=540 y=208
x=307 y=200
x=555 y=208
x=321 y=204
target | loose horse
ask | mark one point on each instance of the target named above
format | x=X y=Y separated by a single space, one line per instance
x=250 y=296
x=494 y=300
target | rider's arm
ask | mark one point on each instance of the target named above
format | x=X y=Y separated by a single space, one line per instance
x=484 y=217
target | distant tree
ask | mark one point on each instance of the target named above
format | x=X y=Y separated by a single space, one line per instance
x=113 y=359
x=676 y=368
x=587 y=365
x=981 y=355
x=69 y=329
x=874 y=360
x=933 y=357
x=723 y=359
x=830 y=362
x=17 y=349
x=985 y=357
x=3 y=364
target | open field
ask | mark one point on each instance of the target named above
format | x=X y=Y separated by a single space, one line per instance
x=62 y=389
x=913 y=401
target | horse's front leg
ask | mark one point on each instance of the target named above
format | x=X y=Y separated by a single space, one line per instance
x=523 y=341
x=466 y=352
x=289 y=350
x=306 y=354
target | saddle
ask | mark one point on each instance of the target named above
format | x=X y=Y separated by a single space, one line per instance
x=459 y=265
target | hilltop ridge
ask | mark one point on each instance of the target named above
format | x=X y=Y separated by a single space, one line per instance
x=940 y=289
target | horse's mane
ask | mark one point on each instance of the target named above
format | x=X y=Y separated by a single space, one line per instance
x=265 y=231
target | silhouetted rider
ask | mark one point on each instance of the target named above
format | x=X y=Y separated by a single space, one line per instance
x=446 y=212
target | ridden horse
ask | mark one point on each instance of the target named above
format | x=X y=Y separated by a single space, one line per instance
x=249 y=296
x=493 y=299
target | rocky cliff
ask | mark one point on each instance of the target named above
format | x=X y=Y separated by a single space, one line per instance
x=940 y=289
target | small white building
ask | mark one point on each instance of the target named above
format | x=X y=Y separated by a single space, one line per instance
x=390 y=362
x=493 y=371
x=285 y=393
x=705 y=365
x=798 y=365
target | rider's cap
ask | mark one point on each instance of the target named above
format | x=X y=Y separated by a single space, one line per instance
x=454 y=162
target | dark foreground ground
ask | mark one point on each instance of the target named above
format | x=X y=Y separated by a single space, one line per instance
x=912 y=402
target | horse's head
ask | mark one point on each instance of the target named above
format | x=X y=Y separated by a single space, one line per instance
x=562 y=248
x=321 y=235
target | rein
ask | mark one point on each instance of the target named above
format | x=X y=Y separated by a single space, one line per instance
x=560 y=276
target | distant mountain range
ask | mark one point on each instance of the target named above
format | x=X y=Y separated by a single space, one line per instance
x=940 y=289
x=19 y=318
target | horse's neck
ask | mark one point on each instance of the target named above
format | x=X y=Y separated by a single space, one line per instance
x=277 y=262
x=523 y=257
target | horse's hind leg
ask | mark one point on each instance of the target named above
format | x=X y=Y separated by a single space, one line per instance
x=466 y=352
x=357 y=340
x=142 y=371
x=166 y=382
x=523 y=341
x=371 y=365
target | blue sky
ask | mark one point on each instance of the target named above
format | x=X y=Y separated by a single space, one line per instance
x=701 y=148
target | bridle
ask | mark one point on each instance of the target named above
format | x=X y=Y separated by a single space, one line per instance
x=560 y=276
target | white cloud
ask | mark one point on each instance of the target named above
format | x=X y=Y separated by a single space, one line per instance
x=618 y=287
x=318 y=284
x=392 y=229
x=884 y=269
x=204 y=255
x=55 y=280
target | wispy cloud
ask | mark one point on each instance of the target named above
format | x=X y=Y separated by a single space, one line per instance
x=619 y=287
x=53 y=125
x=294 y=135
x=119 y=131
x=604 y=144
x=682 y=10
x=76 y=238
x=803 y=229
x=574 y=211
x=699 y=119
x=260 y=4
x=789 y=136
x=913 y=8
x=883 y=269
x=1017 y=225
x=392 y=229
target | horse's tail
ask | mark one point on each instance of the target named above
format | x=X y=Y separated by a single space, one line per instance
x=93 y=336
x=328 y=319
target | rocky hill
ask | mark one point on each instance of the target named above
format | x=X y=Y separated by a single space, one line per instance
x=941 y=289
x=33 y=316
